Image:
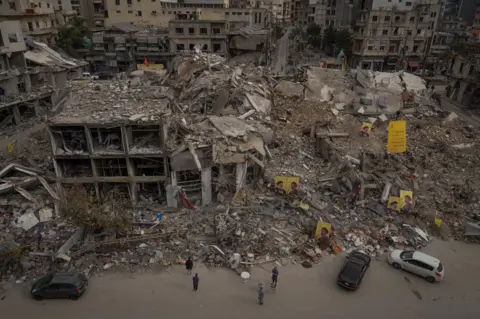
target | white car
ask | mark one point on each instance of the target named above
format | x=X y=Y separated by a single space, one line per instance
x=417 y=263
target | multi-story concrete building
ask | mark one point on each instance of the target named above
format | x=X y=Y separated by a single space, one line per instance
x=337 y=13
x=63 y=12
x=32 y=75
x=123 y=46
x=37 y=17
x=394 y=34
x=464 y=87
x=299 y=11
x=206 y=35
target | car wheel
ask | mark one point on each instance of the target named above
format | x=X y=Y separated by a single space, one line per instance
x=73 y=297
x=430 y=279
x=36 y=297
x=396 y=266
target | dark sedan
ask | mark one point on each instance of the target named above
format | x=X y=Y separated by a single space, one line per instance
x=60 y=285
x=353 y=270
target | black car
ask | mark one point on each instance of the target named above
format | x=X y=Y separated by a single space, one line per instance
x=60 y=285
x=353 y=270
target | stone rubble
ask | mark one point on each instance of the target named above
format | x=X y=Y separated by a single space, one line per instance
x=211 y=102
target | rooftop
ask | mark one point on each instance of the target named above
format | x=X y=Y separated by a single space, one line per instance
x=112 y=102
x=42 y=54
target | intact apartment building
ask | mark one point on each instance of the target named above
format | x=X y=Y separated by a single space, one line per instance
x=32 y=75
x=339 y=14
x=394 y=34
x=299 y=11
x=37 y=17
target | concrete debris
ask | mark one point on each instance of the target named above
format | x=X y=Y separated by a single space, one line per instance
x=228 y=131
x=289 y=89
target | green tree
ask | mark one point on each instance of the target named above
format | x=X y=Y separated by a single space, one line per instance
x=73 y=36
x=314 y=34
x=336 y=40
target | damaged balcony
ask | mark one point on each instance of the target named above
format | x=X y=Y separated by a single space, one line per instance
x=149 y=166
x=105 y=188
x=190 y=182
x=69 y=140
x=74 y=168
x=107 y=140
x=151 y=193
x=111 y=167
x=145 y=139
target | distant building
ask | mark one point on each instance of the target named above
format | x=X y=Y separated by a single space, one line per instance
x=32 y=75
x=394 y=34
x=206 y=35
x=37 y=18
x=464 y=87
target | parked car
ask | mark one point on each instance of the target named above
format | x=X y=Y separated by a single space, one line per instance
x=105 y=75
x=417 y=263
x=87 y=75
x=353 y=270
x=60 y=285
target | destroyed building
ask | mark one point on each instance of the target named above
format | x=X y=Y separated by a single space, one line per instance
x=112 y=134
x=32 y=75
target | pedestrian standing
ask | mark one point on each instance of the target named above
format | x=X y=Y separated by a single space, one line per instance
x=189 y=265
x=261 y=293
x=196 y=280
x=275 y=274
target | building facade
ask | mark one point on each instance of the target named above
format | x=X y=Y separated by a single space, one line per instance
x=299 y=11
x=464 y=87
x=36 y=17
x=394 y=34
x=205 y=35
x=32 y=76
x=337 y=13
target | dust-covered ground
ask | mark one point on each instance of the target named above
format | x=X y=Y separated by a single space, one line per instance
x=310 y=293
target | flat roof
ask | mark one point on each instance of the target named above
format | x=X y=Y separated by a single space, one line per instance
x=113 y=102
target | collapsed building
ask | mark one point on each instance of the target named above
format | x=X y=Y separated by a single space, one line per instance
x=32 y=75
x=198 y=150
x=113 y=134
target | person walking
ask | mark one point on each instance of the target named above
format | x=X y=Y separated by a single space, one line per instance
x=196 y=280
x=261 y=293
x=275 y=274
x=189 y=265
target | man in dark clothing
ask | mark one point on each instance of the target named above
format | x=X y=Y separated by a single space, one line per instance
x=275 y=273
x=196 y=279
x=261 y=293
x=189 y=265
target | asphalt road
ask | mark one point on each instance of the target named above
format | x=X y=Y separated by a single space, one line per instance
x=311 y=293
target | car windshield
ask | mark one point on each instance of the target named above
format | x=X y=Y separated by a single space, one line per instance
x=440 y=267
x=406 y=255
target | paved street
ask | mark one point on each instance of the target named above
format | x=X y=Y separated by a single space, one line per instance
x=385 y=293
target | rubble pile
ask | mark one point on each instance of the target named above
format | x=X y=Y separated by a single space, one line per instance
x=307 y=125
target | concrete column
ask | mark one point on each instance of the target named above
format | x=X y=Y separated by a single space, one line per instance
x=16 y=115
x=171 y=189
x=36 y=107
x=124 y=137
x=206 y=185
x=461 y=90
x=88 y=137
x=241 y=174
x=133 y=191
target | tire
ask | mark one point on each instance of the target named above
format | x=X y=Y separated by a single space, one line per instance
x=38 y=298
x=73 y=297
x=430 y=279
x=396 y=266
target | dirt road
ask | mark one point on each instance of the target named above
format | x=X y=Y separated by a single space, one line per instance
x=308 y=293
